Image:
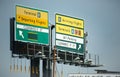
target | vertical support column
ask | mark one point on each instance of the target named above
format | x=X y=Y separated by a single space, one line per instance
x=95 y=59
x=47 y=64
x=34 y=71
x=84 y=48
x=89 y=56
x=54 y=61
x=12 y=37
x=85 y=45
x=46 y=68
x=98 y=60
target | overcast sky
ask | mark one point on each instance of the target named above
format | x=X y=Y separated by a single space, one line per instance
x=101 y=19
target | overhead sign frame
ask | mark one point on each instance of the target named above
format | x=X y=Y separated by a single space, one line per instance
x=31 y=25
x=69 y=35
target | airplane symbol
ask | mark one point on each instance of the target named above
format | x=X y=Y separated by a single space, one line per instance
x=21 y=34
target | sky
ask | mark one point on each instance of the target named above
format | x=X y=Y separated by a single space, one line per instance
x=101 y=21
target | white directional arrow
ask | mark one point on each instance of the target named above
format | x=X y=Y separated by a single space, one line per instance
x=21 y=34
x=79 y=47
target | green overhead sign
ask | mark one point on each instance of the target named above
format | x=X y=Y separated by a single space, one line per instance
x=69 y=34
x=31 y=25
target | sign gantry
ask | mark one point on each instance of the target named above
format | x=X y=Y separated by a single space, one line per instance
x=69 y=34
x=31 y=25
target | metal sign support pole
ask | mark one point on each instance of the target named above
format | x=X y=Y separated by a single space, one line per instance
x=46 y=68
x=54 y=61
x=34 y=71
x=47 y=64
